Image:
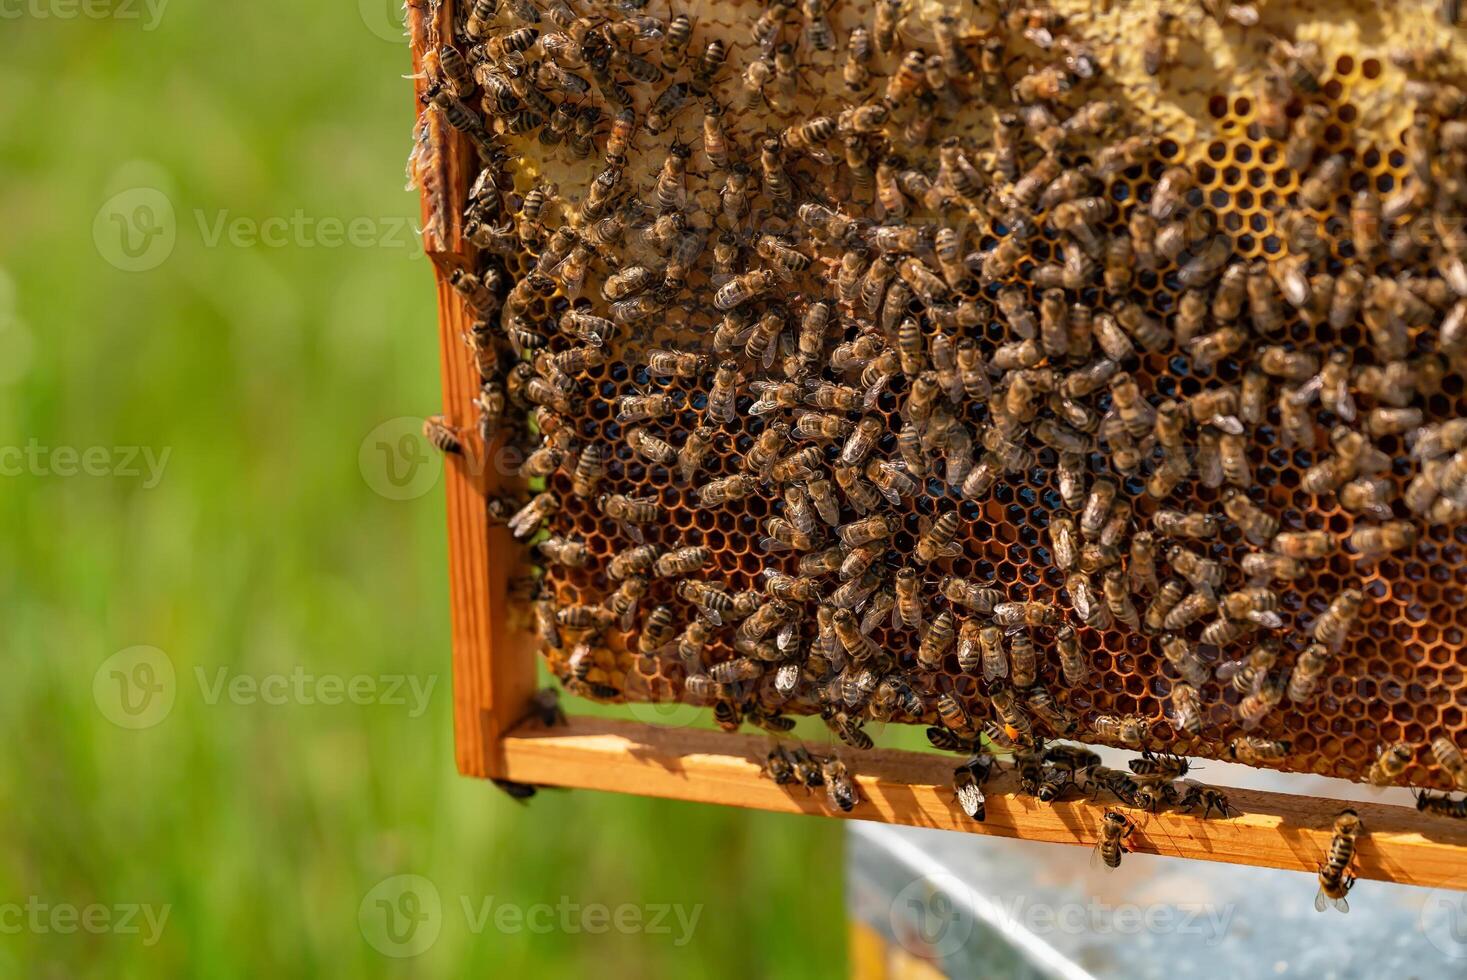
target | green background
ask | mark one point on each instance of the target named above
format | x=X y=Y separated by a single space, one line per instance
x=265 y=550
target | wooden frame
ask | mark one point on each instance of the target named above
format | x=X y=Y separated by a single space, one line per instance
x=494 y=676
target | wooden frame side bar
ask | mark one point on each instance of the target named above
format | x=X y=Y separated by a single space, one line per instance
x=493 y=670
x=1273 y=830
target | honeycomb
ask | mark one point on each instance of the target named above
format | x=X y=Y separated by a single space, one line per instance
x=1399 y=675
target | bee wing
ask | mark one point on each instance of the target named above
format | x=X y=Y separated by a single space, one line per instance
x=1272 y=620
x=875 y=391
x=1323 y=901
x=969 y=794
x=772 y=350
x=633 y=532
x=1229 y=424
x=787 y=678
x=890 y=494
x=763 y=407
x=1344 y=403
x=770 y=544
x=711 y=615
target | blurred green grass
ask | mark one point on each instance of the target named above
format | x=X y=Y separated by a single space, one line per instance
x=263 y=549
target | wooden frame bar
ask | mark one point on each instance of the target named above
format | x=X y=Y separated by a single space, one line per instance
x=494 y=670
x=1273 y=830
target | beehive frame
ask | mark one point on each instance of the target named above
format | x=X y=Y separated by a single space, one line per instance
x=495 y=675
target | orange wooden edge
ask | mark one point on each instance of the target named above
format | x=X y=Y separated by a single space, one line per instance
x=1272 y=830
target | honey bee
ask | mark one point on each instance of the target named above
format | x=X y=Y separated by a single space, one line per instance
x=1115 y=832
x=1319 y=190
x=1186 y=713
x=633 y=561
x=623 y=602
x=1023 y=659
x=1091 y=610
x=1178 y=524
x=726 y=489
x=1182 y=654
x=1025 y=614
x=1335 y=881
x=1042 y=84
x=1257 y=525
x=1011 y=714
x=1308 y=669
x=968 y=780
x=1374 y=542
x=743 y=288
x=1157 y=45
x=527 y=520
x=1118 y=598
x=1450 y=758
x=736 y=671
x=1191 y=607
x=1308 y=129
x=1334 y=623
x=1390 y=764
x=1071 y=656
x=840 y=789
x=1256 y=750
x=562 y=551
x=1441 y=805
x=1233 y=454
x=1064 y=546
x=652 y=448
x=694 y=451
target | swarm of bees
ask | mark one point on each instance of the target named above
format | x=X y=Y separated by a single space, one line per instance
x=887 y=367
